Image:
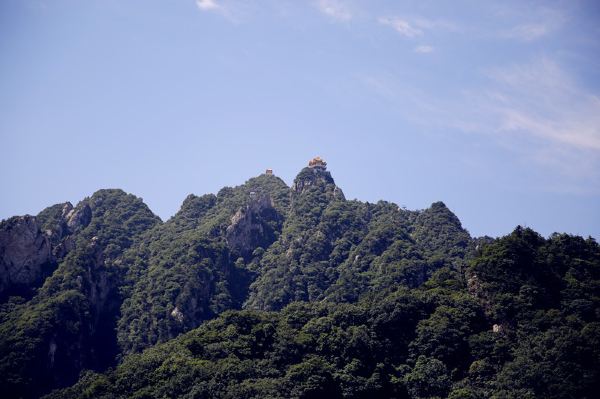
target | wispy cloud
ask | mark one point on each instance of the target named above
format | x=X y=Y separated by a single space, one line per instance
x=534 y=109
x=434 y=24
x=424 y=49
x=538 y=110
x=412 y=27
x=537 y=99
x=536 y=24
x=527 y=32
x=334 y=9
x=401 y=26
x=541 y=99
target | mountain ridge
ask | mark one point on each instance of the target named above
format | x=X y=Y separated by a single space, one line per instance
x=121 y=282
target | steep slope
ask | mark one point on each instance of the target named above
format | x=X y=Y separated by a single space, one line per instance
x=69 y=323
x=32 y=247
x=363 y=300
x=437 y=340
x=25 y=256
x=193 y=267
x=296 y=266
x=338 y=250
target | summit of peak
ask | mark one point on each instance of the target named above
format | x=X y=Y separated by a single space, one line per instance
x=316 y=176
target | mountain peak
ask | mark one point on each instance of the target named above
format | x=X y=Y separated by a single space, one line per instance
x=316 y=175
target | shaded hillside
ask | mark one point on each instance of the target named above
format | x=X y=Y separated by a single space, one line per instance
x=69 y=322
x=192 y=267
x=338 y=250
x=443 y=339
x=265 y=290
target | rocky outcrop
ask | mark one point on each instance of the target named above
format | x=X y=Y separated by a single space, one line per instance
x=253 y=226
x=53 y=221
x=31 y=247
x=316 y=177
x=79 y=217
x=25 y=255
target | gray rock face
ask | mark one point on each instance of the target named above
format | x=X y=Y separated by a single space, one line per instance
x=316 y=177
x=28 y=255
x=253 y=226
x=25 y=253
x=57 y=228
x=66 y=245
x=79 y=217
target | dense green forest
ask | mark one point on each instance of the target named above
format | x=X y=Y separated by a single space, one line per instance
x=270 y=291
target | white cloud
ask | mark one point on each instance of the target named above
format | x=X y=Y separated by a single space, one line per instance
x=424 y=49
x=334 y=9
x=233 y=11
x=207 y=5
x=401 y=26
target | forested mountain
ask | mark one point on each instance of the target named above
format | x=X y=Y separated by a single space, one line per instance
x=265 y=290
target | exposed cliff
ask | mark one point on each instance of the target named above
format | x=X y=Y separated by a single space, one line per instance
x=26 y=257
x=197 y=264
x=31 y=247
x=257 y=224
x=73 y=314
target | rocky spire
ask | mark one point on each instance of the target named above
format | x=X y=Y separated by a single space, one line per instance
x=316 y=177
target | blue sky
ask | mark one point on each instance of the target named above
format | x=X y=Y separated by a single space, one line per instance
x=491 y=107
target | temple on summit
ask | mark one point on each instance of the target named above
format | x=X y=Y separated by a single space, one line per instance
x=317 y=162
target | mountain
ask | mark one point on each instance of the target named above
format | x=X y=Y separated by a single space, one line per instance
x=65 y=323
x=265 y=290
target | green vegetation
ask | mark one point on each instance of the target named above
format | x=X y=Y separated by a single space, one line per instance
x=431 y=341
x=263 y=291
x=184 y=272
x=68 y=325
